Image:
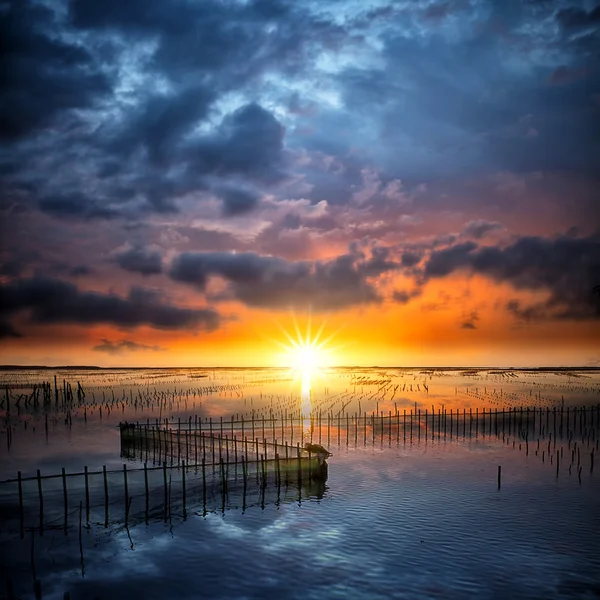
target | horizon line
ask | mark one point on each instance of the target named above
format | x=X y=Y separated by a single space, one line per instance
x=9 y=367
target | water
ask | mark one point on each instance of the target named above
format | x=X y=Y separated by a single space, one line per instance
x=396 y=518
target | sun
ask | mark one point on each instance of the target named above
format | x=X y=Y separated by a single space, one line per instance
x=306 y=357
x=306 y=353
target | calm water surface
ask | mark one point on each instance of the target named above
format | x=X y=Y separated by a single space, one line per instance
x=397 y=518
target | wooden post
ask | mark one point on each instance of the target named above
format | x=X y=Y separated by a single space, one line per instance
x=183 y=486
x=166 y=490
x=245 y=477
x=64 y=482
x=299 y=468
x=146 y=490
x=126 y=493
x=41 y=497
x=87 y=495
x=223 y=485
x=80 y=540
x=19 y=477
x=499 y=476
x=204 y=484
x=105 y=496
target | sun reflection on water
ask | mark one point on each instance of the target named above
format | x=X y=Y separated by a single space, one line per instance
x=306 y=403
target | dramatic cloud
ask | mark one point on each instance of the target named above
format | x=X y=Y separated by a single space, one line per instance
x=140 y=260
x=575 y=18
x=565 y=267
x=156 y=126
x=331 y=154
x=268 y=281
x=55 y=301
x=42 y=75
x=75 y=206
x=237 y=201
x=248 y=142
x=125 y=346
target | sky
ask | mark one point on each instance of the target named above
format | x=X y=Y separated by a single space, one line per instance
x=191 y=182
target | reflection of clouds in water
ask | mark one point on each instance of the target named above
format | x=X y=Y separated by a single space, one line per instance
x=108 y=559
x=290 y=531
x=221 y=526
x=435 y=524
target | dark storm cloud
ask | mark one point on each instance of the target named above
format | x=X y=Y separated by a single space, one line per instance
x=125 y=346
x=138 y=147
x=249 y=142
x=566 y=267
x=248 y=145
x=41 y=75
x=75 y=206
x=158 y=124
x=456 y=104
x=576 y=18
x=410 y=258
x=269 y=281
x=444 y=262
x=224 y=47
x=140 y=260
x=55 y=301
x=226 y=41
x=381 y=261
x=237 y=201
x=147 y=111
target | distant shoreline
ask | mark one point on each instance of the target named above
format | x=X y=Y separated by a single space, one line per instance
x=347 y=367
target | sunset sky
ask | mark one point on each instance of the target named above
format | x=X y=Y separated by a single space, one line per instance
x=183 y=180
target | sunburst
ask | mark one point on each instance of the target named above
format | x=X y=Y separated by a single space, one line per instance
x=307 y=354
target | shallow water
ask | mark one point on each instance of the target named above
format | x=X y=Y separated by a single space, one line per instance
x=398 y=517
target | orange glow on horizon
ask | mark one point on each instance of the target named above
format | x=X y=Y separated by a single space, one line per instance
x=429 y=330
